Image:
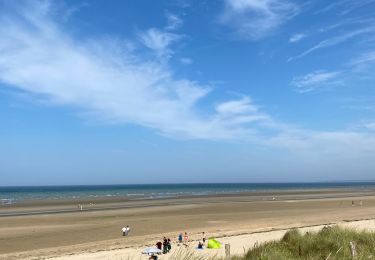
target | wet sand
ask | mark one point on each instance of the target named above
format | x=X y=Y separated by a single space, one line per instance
x=99 y=228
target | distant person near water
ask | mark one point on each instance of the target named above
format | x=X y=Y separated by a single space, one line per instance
x=125 y=230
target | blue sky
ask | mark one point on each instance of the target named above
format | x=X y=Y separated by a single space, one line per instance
x=102 y=92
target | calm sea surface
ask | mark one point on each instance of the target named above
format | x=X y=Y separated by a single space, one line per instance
x=162 y=190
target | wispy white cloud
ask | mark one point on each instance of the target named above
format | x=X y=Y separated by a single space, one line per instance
x=186 y=60
x=366 y=125
x=334 y=41
x=236 y=107
x=297 y=37
x=370 y=126
x=367 y=57
x=159 y=40
x=332 y=6
x=71 y=10
x=316 y=79
x=344 y=7
x=348 y=22
x=359 y=68
x=109 y=80
x=254 y=19
x=173 y=22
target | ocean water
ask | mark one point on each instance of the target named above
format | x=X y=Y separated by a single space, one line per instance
x=161 y=190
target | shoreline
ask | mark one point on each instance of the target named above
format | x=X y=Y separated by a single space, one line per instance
x=163 y=191
x=68 y=205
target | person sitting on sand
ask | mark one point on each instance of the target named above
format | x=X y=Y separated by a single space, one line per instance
x=200 y=245
x=158 y=245
x=165 y=245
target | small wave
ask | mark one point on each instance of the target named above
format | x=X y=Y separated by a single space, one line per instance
x=6 y=202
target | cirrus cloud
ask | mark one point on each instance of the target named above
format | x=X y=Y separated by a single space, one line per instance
x=314 y=80
x=107 y=78
x=255 y=19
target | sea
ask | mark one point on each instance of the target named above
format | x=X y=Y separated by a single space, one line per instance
x=12 y=195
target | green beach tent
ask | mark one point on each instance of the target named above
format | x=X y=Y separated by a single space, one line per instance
x=213 y=244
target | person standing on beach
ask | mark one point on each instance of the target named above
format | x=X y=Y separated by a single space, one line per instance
x=127 y=231
x=180 y=238
x=203 y=237
x=165 y=245
x=169 y=245
x=124 y=231
x=186 y=239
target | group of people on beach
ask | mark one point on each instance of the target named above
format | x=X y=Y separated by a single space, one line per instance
x=184 y=240
x=166 y=246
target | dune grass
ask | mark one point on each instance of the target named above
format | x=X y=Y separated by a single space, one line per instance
x=329 y=243
x=189 y=254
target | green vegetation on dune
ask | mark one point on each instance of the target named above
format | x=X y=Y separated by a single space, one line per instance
x=329 y=243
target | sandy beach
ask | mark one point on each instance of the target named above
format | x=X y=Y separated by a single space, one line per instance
x=39 y=230
x=239 y=244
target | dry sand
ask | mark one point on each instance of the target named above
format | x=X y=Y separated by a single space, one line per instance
x=238 y=245
x=96 y=234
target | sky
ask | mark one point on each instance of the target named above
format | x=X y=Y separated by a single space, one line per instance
x=141 y=91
